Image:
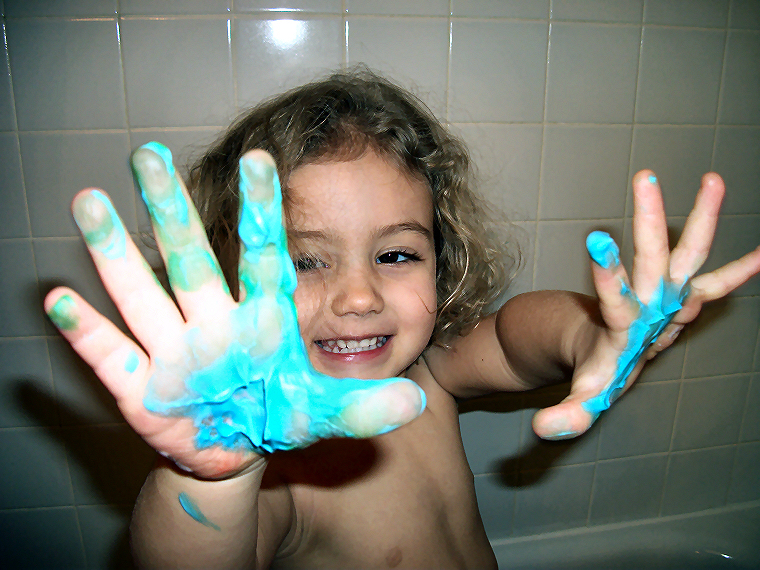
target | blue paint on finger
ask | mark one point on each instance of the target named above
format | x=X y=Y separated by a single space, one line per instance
x=603 y=249
x=192 y=509
x=132 y=362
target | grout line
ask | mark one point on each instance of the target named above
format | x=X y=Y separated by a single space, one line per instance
x=628 y=193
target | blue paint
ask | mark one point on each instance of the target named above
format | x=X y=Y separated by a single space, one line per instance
x=174 y=205
x=132 y=362
x=194 y=511
x=249 y=398
x=652 y=179
x=666 y=301
x=603 y=249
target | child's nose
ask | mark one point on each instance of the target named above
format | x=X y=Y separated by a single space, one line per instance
x=356 y=293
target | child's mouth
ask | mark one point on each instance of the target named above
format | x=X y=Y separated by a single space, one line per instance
x=351 y=346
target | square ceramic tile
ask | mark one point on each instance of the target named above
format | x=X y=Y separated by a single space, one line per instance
x=598 y=10
x=20 y=303
x=628 y=489
x=679 y=156
x=7 y=108
x=41 y=538
x=275 y=55
x=537 y=453
x=737 y=160
x=584 y=172
x=14 y=219
x=740 y=97
x=679 y=75
x=641 y=422
x=722 y=339
x=745 y=14
x=697 y=480
x=26 y=385
x=507 y=160
x=108 y=463
x=710 y=412
x=178 y=71
x=81 y=397
x=58 y=165
x=385 y=44
x=751 y=422
x=496 y=503
x=553 y=499
x=159 y=7
x=25 y=8
x=700 y=13
x=105 y=533
x=523 y=278
x=498 y=71
x=735 y=237
x=34 y=472
x=528 y=9
x=746 y=474
x=592 y=73
x=67 y=262
x=66 y=74
x=323 y=6
x=399 y=7
x=562 y=261
x=489 y=439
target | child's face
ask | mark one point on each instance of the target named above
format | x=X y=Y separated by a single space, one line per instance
x=361 y=237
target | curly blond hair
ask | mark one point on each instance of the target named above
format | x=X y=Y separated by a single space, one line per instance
x=341 y=117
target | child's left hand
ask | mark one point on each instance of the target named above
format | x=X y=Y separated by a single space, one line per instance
x=611 y=355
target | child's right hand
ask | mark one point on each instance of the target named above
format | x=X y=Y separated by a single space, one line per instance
x=213 y=383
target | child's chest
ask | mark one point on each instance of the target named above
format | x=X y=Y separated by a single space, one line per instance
x=405 y=500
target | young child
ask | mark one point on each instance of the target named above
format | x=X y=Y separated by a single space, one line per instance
x=242 y=396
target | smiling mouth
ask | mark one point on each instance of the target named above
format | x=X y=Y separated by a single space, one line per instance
x=340 y=346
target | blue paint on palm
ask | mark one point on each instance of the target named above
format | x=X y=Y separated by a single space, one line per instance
x=666 y=301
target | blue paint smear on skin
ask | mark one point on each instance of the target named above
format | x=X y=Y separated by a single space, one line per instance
x=244 y=400
x=192 y=509
x=666 y=301
x=603 y=249
x=652 y=179
x=117 y=245
x=177 y=199
x=132 y=362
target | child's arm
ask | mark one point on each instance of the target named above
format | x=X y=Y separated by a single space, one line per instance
x=213 y=384
x=547 y=336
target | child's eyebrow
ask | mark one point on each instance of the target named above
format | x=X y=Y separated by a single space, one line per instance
x=315 y=235
x=409 y=226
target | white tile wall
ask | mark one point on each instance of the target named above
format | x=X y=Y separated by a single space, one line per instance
x=561 y=101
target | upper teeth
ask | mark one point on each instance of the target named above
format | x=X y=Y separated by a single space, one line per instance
x=341 y=346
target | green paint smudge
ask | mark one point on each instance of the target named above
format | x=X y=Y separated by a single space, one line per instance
x=63 y=313
x=189 y=270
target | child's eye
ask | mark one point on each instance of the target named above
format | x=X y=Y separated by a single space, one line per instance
x=397 y=257
x=305 y=264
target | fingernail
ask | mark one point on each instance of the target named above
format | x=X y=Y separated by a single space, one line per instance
x=156 y=175
x=100 y=225
x=64 y=314
x=603 y=249
x=258 y=180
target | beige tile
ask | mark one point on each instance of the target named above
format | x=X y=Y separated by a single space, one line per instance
x=385 y=44
x=745 y=14
x=598 y=10
x=697 y=480
x=628 y=489
x=679 y=75
x=105 y=534
x=20 y=302
x=323 y=6
x=740 y=96
x=79 y=61
x=584 y=172
x=746 y=474
x=508 y=159
x=161 y=93
x=276 y=54
x=562 y=261
x=26 y=385
x=529 y=9
x=592 y=73
x=20 y=8
x=496 y=503
x=490 y=439
x=497 y=71
x=722 y=340
x=641 y=422
x=7 y=108
x=702 y=13
x=710 y=412
x=57 y=528
x=184 y=7
x=14 y=219
x=737 y=160
x=395 y=7
x=751 y=421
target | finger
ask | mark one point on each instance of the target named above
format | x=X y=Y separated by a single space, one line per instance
x=694 y=246
x=265 y=266
x=192 y=268
x=650 y=236
x=117 y=360
x=146 y=308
